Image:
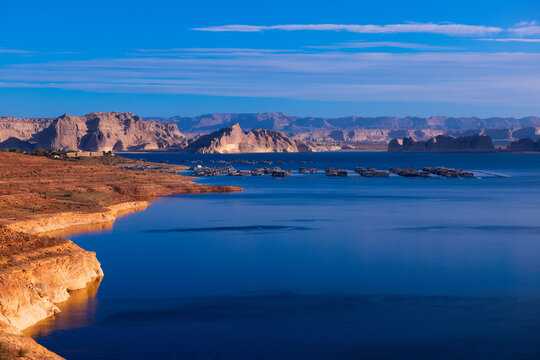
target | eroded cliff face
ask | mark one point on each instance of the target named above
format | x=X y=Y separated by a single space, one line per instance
x=30 y=290
x=36 y=273
x=93 y=132
x=232 y=140
x=444 y=143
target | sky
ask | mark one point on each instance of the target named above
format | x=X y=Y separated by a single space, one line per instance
x=305 y=58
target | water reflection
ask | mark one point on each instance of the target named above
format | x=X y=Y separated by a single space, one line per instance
x=79 y=229
x=78 y=311
x=96 y=227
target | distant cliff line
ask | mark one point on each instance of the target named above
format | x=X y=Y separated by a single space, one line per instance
x=465 y=144
x=444 y=144
x=115 y=131
x=295 y=124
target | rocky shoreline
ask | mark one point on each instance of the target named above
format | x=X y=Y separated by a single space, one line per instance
x=69 y=222
x=33 y=282
x=38 y=271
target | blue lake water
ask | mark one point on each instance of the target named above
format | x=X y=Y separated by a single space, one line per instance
x=310 y=267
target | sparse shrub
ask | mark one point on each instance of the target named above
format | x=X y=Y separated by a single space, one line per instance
x=13 y=260
x=39 y=152
x=45 y=241
x=22 y=353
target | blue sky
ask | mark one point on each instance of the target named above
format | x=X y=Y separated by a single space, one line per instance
x=320 y=58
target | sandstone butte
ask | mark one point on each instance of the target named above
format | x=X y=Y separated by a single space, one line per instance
x=232 y=140
x=39 y=196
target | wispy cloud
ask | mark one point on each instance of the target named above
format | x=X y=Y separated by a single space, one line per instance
x=525 y=28
x=490 y=78
x=380 y=44
x=432 y=28
x=524 y=40
x=181 y=52
x=212 y=50
x=14 y=51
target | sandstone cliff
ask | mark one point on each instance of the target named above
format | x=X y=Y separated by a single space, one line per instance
x=232 y=140
x=92 y=132
x=33 y=281
x=36 y=273
x=444 y=143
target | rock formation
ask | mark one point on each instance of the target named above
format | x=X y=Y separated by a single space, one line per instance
x=45 y=276
x=524 y=145
x=233 y=140
x=353 y=129
x=39 y=273
x=295 y=124
x=444 y=143
x=92 y=132
x=128 y=132
x=499 y=136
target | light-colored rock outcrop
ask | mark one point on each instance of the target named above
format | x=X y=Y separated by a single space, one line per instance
x=232 y=140
x=29 y=292
x=93 y=132
x=39 y=273
x=444 y=143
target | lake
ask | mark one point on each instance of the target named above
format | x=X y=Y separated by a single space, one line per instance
x=310 y=267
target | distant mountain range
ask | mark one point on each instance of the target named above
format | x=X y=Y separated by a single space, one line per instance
x=274 y=132
x=295 y=124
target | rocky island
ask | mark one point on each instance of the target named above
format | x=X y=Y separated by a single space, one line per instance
x=524 y=145
x=40 y=196
x=444 y=144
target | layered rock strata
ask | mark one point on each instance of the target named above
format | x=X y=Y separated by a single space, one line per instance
x=444 y=143
x=233 y=140
x=93 y=132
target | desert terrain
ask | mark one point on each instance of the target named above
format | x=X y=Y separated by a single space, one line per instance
x=40 y=197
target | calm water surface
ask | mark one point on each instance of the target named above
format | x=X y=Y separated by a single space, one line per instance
x=310 y=267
